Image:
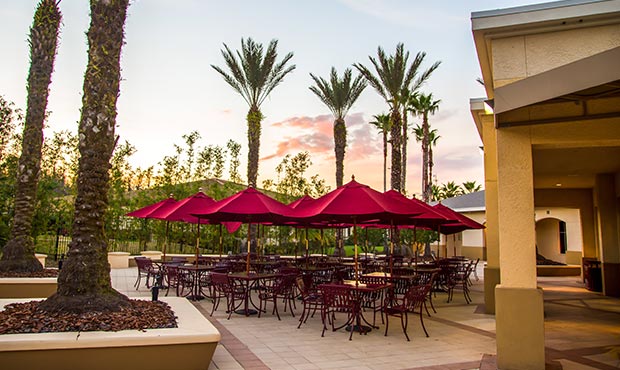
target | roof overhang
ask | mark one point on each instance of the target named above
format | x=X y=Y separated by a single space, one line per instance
x=587 y=89
x=539 y=18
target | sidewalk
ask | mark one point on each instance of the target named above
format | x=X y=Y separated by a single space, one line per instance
x=580 y=327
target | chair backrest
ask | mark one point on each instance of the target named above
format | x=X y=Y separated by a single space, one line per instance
x=337 y=297
x=172 y=273
x=144 y=264
x=416 y=296
x=221 y=282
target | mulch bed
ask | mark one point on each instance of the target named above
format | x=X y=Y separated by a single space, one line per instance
x=38 y=274
x=20 y=318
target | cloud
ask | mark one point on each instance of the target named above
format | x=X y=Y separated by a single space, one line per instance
x=315 y=135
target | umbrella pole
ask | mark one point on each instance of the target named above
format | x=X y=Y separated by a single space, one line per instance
x=454 y=243
x=366 y=244
x=165 y=241
x=296 y=241
x=438 y=239
x=307 y=247
x=221 y=241
x=355 y=247
x=391 y=248
x=322 y=251
x=198 y=243
x=247 y=262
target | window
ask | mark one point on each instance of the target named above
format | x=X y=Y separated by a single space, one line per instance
x=563 y=242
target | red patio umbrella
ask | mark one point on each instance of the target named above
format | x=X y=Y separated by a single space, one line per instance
x=182 y=212
x=152 y=211
x=355 y=203
x=247 y=206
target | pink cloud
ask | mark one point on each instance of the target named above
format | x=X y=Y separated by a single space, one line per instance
x=315 y=135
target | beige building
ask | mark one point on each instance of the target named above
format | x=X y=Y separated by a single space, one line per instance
x=550 y=126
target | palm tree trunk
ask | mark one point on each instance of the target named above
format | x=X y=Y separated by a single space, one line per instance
x=396 y=141
x=385 y=148
x=84 y=282
x=254 y=119
x=404 y=153
x=430 y=170
x=425 y=183
x=18 y=253
x=340 y=144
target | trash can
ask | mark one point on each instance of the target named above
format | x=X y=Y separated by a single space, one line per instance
x=592 y=276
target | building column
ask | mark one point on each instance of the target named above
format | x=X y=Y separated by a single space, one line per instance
x=607 y=216
x=491 y=270
x=518 y=301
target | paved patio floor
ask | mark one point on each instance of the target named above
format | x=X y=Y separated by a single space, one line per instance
x=582 y=331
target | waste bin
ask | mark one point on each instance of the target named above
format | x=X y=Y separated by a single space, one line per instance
x=592 y=276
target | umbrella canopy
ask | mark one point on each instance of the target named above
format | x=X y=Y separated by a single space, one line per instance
x=185 y=207
x=354 y=202
x=249 y=206
x=427 y=214
x=147 y=212
x=463 y=222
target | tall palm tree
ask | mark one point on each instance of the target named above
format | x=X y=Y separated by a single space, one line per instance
x=450 y=190
x=383 y=124
x=254 y=73
x=84 y=281
x=339 y=95
x=394 y=75
x=424 y=105
x=18 y=253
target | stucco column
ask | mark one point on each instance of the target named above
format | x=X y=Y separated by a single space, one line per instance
x=518 y=301
x=606 y=204
x=491 y=270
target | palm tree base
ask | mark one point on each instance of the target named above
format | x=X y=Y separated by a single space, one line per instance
x=16 y=257
x=110 y=301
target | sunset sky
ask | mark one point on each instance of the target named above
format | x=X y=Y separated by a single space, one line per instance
x=169 y=88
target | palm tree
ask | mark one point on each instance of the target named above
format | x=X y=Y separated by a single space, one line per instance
x=383 y=124
x=423 y=105
x=254 y=74
x=450 y=190
x=393 y=76
x=84 y=281
x=418 y=131
x=18 y=253
x=405 y=99
x=471 y=187
x=339 y=95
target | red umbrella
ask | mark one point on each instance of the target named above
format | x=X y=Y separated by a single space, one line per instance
x=355 y=202
x=248 y=206
x=153 y=210
x=145 y=212
x=182 y=212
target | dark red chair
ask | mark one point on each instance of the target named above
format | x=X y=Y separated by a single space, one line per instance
x=338 y=299
x=225 y=287
x=413 y=301
x=311 y=298
x=147 y=270
x=282 y=287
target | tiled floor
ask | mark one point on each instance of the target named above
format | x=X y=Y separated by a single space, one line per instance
x=581 y=329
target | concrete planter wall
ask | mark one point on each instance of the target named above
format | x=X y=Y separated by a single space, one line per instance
x=190 y=346
x=118 y=260
x=27 y=287
x=41 y=257
x=154 y=255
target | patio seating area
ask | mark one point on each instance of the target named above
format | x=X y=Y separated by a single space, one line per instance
x=580 y=327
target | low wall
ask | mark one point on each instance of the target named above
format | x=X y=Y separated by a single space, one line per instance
x=27 y=287
x=190 y=346
x=558 y=270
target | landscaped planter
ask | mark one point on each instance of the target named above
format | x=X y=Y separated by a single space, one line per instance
x=190 y=346
x=41 y=257
x=27 y=287
x=118 y=260
x=154 y=255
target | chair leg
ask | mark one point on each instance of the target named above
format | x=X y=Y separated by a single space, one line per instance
x=387 y=324
x=422 y=322
x=404 y=320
